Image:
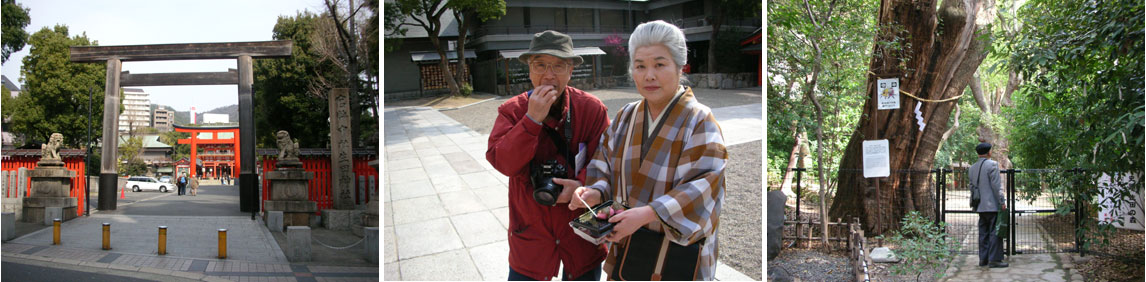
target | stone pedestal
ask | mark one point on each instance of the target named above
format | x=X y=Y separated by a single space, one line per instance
x=51 y=187
x=290 y=194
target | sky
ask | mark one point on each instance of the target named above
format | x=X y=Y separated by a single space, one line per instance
x=138 y=22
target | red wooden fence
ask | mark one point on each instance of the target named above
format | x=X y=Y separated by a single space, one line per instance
x=27 y=158
x=318 y=162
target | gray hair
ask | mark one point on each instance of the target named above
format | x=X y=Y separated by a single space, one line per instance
x=660 y=32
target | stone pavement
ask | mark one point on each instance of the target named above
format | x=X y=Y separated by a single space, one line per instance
x=446 y=211
x=1022 y=267
x=191 y=244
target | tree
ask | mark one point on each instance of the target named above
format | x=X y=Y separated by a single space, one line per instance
x=1084 y=103
x=466 y=11
x=15 y=20
x=129 y=152
x=55 y=98
x=171 y=138
x=341 y=42
x=283 y=100
x=813 y=51
x=428 y=15
x=934 y=53
x=724 y=10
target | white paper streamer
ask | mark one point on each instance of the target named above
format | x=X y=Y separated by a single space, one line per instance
x=919 y=116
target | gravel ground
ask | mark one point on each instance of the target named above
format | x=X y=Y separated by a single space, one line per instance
x=480 y=117
x=741 y=215
x=809 y=265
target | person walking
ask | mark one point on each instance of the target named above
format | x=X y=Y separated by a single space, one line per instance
x=984 y=176
x=182 y=183
x=194 y=186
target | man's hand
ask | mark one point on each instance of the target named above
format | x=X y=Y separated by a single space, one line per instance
x=567 y=191
x=628 y=221
x=589 y=195
x=540 y=101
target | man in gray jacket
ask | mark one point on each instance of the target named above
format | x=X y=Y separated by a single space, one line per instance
x=984 y=174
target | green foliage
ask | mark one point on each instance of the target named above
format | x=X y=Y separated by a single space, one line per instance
x=172 y=138
x=1085 y=104
x=845 y=46
x=281 y=98
x=14 y=36
x=922 y=246
x=55 y=98
x=483 y=9
x=467 y=89
x=93 y=163
x=129 y=162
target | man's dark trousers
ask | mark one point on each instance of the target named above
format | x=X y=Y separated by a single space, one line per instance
x=990 y=245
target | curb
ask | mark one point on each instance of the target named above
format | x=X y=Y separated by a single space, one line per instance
x=149 y=273
x=463 y=106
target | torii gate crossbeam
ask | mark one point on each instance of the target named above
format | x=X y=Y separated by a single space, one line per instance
x=243 y=52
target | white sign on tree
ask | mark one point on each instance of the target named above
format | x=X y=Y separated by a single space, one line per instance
x=887 y=91
x=876 y=162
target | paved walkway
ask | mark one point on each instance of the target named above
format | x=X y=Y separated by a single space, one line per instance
x=1022 y=267
x=192 y=242
x=431 y=160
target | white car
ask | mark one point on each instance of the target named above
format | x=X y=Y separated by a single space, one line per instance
x=140 y=183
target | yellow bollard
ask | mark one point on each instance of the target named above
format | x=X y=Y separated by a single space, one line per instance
x=56 y=231
x=162 y=240
x=222 y=243
x=106 y=236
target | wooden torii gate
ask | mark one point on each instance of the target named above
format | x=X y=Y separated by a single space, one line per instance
x=114 y=56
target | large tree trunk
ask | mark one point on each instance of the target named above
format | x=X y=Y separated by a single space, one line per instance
x=992 y=106
x=939 y=53
x=717 y=21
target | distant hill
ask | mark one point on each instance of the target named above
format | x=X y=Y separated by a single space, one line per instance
x=231 y=111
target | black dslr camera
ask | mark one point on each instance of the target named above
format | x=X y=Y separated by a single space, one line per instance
x=545 y=192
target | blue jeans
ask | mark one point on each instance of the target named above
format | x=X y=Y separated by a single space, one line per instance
x=593 y=275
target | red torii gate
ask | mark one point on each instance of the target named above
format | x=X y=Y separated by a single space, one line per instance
x=216 y=140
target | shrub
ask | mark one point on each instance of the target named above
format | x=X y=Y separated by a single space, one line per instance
x=922 y=246
x=467 y=89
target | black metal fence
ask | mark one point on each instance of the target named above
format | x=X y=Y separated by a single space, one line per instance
x=1043 y=212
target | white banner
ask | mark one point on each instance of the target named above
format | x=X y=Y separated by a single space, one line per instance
x=876 y=161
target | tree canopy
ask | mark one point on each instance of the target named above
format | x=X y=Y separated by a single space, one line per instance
x=282 y=99
x=55 y=98
x=15 y=20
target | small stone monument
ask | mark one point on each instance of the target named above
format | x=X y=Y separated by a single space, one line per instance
x=289 y=184
x=51 y=184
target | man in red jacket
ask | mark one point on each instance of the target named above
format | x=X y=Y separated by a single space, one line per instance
x=527 y=132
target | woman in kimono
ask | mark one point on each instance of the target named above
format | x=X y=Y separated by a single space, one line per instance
x=664 y=155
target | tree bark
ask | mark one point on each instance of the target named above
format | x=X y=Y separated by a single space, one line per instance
x=991 y=107
x=463 y=28
x=717 y=21
x=938 y=54
x=793 y=161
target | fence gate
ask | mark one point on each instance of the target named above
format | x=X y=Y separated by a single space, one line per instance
x=1033 y=197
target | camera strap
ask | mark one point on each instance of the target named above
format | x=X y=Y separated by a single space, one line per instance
x=563 y=143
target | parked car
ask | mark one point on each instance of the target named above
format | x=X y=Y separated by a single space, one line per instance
x=140 y=183
x=165 y=179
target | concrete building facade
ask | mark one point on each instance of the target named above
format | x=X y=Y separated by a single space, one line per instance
x=136 y=110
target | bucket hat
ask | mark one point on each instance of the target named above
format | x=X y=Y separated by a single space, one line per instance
x=551 y=43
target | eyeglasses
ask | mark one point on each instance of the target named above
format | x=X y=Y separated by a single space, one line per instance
x=540 y=68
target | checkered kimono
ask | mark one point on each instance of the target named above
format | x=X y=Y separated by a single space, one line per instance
x=681 y=176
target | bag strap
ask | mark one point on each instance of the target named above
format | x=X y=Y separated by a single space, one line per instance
x=980 y=174
x=658 y=269
x=624 y=193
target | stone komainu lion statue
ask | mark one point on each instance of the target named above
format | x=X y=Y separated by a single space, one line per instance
x=288 y=150
x=50 y=151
